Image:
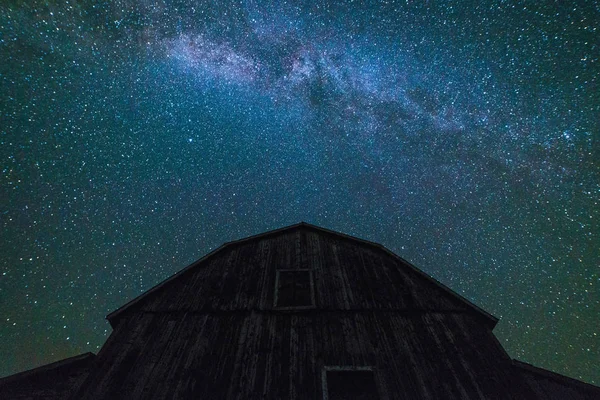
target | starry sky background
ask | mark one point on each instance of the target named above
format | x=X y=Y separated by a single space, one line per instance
x=136 y=136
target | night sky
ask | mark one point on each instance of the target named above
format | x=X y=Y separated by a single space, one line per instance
x=136 y=136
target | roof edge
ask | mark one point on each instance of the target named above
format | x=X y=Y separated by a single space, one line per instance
x=41 y=368
x=556 y=376
x=111 y=317
x=491 y=319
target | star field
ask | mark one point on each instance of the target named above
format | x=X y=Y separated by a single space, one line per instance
x=137 y=136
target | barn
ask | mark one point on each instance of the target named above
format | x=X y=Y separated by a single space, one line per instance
x=301 y=312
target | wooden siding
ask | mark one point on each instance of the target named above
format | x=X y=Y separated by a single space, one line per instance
x=346 y=276
x=249 y=354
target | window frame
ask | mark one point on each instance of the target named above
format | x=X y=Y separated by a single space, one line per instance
x=312 y=289
x=328 y=368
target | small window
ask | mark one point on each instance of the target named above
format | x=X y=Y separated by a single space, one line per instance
x=294 y=288
x=349 y=383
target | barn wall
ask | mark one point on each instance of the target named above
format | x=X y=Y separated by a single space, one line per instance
x=240 y=355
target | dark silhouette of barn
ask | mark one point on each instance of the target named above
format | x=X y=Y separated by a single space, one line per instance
x=298 y=313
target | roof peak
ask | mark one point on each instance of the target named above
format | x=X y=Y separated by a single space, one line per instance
x=489 y=318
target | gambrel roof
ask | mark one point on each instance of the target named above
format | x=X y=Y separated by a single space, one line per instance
x=488 y=319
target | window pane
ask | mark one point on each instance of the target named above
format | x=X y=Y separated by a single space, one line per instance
x=351 y=385
x=285 y=291
x=294 y=289
x=302 y=288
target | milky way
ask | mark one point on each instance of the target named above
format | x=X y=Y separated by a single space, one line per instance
x=136 y=137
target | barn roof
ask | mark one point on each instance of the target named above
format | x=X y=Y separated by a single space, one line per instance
x=544 y=382
x=489 y=319
x=80 y=360
x=50 y=381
